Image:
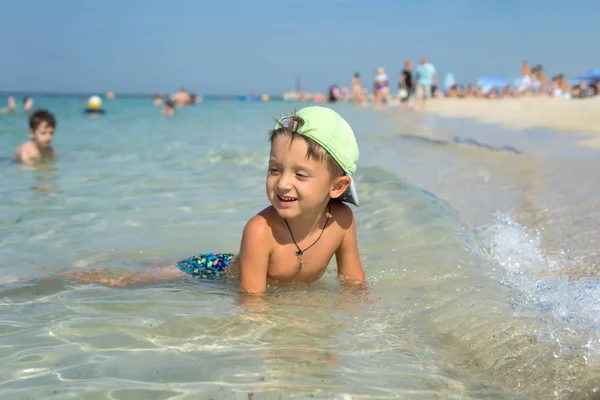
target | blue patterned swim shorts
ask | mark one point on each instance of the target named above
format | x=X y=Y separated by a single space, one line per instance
x=206 y=266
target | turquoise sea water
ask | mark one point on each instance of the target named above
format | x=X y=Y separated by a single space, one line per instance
x=479 y=244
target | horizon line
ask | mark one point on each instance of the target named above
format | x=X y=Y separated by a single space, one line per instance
x=124 y=94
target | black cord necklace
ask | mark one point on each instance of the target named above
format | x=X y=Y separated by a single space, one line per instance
x=300 y=252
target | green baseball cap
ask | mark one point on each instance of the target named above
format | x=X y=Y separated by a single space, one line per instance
x=332 y=132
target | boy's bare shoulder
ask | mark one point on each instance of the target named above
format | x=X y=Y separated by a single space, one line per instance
x=261 y=223
x=26 y=151
x=342 y=214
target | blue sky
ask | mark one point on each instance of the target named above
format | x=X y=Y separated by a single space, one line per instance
x=237 y=47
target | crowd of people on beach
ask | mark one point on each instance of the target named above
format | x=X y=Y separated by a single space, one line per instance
x=421 y=83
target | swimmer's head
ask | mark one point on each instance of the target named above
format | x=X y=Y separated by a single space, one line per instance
x=329 y=139
x=27 y=103
x=42 y=125
x=94 y=103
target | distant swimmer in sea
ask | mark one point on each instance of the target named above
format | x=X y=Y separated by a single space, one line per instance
x=94 y=106
x=27 y=103
x=12 y=106
x=168 y=109
x=42 y=125
x=181 y=98
x=193 y=99
x=158 y=100
x=334 y=94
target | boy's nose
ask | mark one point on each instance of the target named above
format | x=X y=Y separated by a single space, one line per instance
x=285 y=182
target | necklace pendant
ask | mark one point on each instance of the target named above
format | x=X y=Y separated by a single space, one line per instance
x=301 y=257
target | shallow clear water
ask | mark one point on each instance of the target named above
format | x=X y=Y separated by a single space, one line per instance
x=479 y=244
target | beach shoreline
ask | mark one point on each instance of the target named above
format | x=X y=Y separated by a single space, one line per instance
x=581 y=116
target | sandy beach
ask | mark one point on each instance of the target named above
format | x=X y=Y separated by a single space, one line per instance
x=580 y=115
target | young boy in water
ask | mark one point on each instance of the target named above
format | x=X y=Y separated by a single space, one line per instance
x=41 y=132
x=313 y=157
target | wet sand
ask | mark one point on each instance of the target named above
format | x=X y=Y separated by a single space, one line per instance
x=568 y=115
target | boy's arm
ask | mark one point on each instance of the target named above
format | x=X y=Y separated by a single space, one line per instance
x=18 y=153
x=347 y=257
x=254 y=255
x=25 y=155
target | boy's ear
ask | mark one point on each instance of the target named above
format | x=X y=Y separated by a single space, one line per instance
x=339 y=186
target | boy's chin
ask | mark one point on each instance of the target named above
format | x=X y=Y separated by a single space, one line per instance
x=287 y=212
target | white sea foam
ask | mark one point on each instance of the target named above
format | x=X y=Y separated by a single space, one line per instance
x=569 y=307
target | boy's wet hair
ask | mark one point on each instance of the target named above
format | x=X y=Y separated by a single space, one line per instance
x=291 y=126
x=40 y=116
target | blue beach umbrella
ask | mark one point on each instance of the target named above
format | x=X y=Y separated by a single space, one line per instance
x=488 y=83
x=589 y=76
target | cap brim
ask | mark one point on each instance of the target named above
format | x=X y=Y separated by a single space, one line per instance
x=349 y=196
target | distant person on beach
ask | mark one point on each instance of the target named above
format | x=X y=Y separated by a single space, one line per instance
x=526 y=80
x=426 y=78
x=344 y=93
x=313 y=157
x=357 y=90
x=168 y=108
x=540 y=81
x=181 y=98
x=406 y=82
x=42 y=125
x=12 y=106
x=381 y=86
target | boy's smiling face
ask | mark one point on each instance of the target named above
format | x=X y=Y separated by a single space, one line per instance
x=296 y=184
x=42 y=135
